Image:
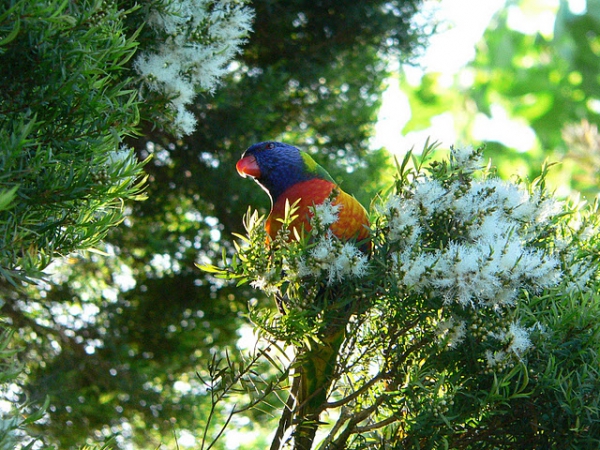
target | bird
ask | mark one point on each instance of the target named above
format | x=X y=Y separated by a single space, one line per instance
x=291 y=176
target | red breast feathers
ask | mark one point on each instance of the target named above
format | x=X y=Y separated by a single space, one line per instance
x=289 y=175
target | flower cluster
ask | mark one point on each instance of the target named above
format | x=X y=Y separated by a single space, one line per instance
x=516 y=341
x=473 y=243
x=287 y=263
x=452 y=331
x=333 y=259
x=200 y=38
x=578 y=244
x=468 y=241
x=329 y=257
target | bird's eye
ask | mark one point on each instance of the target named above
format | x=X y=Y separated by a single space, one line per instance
x=270 y=146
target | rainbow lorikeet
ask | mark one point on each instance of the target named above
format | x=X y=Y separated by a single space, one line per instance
x=289 y=175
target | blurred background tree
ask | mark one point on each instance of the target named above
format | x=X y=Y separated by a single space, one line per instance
x=531 y=91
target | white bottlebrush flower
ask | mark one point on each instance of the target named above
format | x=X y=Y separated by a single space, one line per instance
x=200 y=37
x=343 y=261
x=508 y=254
x=495 y=358
x=506 y=200
x=505 y=297
x=507 y=196
x=335 y=259
x=403 y=222
x=430 y=196
x=492 y=230
x=263 y=284
x=306 y=269
x=541 y=269
x=324 y=251
x=515 y=338
x=325 y=214
x=580 y=273
x=585 y=233
x=452 y=331
x=414 y=270
x=543 y=209
x=266 y=281
x=357 y=261
x=488 y=262
x=466 y=158
x=348 y=261
x=458 y=275
x=360 y=266
x=185 y=121
x=518 y=338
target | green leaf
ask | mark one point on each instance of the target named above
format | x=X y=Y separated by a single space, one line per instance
x=7 y=197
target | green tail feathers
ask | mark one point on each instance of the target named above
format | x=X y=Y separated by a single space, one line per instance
x=316 y=371
x=316 y=368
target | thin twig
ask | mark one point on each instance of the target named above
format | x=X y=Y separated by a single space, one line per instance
x=356 y=393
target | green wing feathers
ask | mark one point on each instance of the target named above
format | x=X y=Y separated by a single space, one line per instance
x=311 y=166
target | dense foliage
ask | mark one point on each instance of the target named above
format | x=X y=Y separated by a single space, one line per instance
x=133 y=345
x=466 y=331
x=64 y=172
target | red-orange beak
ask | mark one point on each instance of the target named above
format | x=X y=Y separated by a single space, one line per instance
x=247 y=166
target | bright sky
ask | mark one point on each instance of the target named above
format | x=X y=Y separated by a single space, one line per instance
x=447 y=53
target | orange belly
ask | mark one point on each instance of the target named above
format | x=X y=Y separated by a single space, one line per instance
x=352 y=222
